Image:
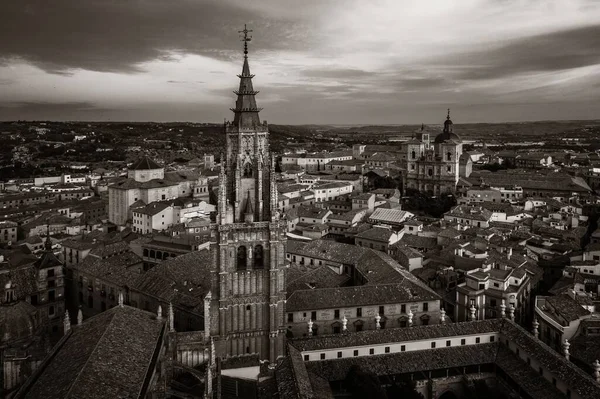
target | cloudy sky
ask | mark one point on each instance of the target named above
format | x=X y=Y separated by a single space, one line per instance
x=316 y=61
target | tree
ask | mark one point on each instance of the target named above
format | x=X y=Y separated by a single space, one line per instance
x=364 y=384
x=404 y=389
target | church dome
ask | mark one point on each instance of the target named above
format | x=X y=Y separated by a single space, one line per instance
x=448 y=132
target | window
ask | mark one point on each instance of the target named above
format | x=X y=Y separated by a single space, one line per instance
x=403 y=308
x=339 y=355
x=448 y=343
x=381 y=310
x=51 y=311
x=258 y=257
x=51 y=295
x=372 y=351
x=492 y=338
x=493 y=303
x=433 y=345
x=306 y=358
x=387 y=349
x=290 y=317
x=242 y=259
x=336 y=314
x=322 y=356
x=481 y=286
x=463 y=341
x=425 y=306
x=403 y=348
x=50 y=272
x=313 y=315
x=356 y=352
x=477 y=340
x=358 y=312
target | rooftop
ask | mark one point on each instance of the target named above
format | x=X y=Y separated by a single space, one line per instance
x=108 y=356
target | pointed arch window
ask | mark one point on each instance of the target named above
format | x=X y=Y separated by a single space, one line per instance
x=449 y=155
x=258 y=257
x=248 y=170
x=241 y=258
x=414 y=155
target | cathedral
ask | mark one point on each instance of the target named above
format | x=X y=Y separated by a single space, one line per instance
x=434 y=168
x=248 y=282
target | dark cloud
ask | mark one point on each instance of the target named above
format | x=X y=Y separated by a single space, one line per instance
x=542 y=53
x=117 y=36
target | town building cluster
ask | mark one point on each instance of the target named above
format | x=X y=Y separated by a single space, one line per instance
x=292 y=275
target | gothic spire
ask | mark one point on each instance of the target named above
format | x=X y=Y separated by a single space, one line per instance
x=48 y=243
x=246 y=110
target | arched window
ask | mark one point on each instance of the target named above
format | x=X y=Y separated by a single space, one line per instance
x=241 y=258
x=145 y=252
x=449 y=156
x=165 y=255
x=258 y=257
x=158 y=254
x=414 y=154
x=152 y=253
x=248 y=170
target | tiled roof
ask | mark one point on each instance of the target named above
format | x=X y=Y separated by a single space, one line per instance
x=364 y=295
x=567 y=307
x=110 y=249
x=553 y=362
x=407 y=362
x=376 y=234
x=469 y=212
x=419 y=242
x=109 y=356
x=401 y=334
x=526 y=377
x=153 y=208
x=183 y=280
x=118 y=269
x=145 y=163
x=320 y=277
x=327 y=250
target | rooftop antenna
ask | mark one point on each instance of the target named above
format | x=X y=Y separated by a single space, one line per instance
x=246 y=38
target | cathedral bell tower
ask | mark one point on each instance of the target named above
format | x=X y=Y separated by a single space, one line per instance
x=248 y=284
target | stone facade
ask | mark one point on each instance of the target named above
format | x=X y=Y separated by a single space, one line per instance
x=434 y=169
x=248 y=283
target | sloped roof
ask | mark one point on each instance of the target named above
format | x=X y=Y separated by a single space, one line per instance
x=183 y=280
x=145 y=163
x=389 y=215
x=108 y=356
x=364 y=295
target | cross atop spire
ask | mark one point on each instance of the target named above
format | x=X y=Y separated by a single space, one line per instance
x=246 y=39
